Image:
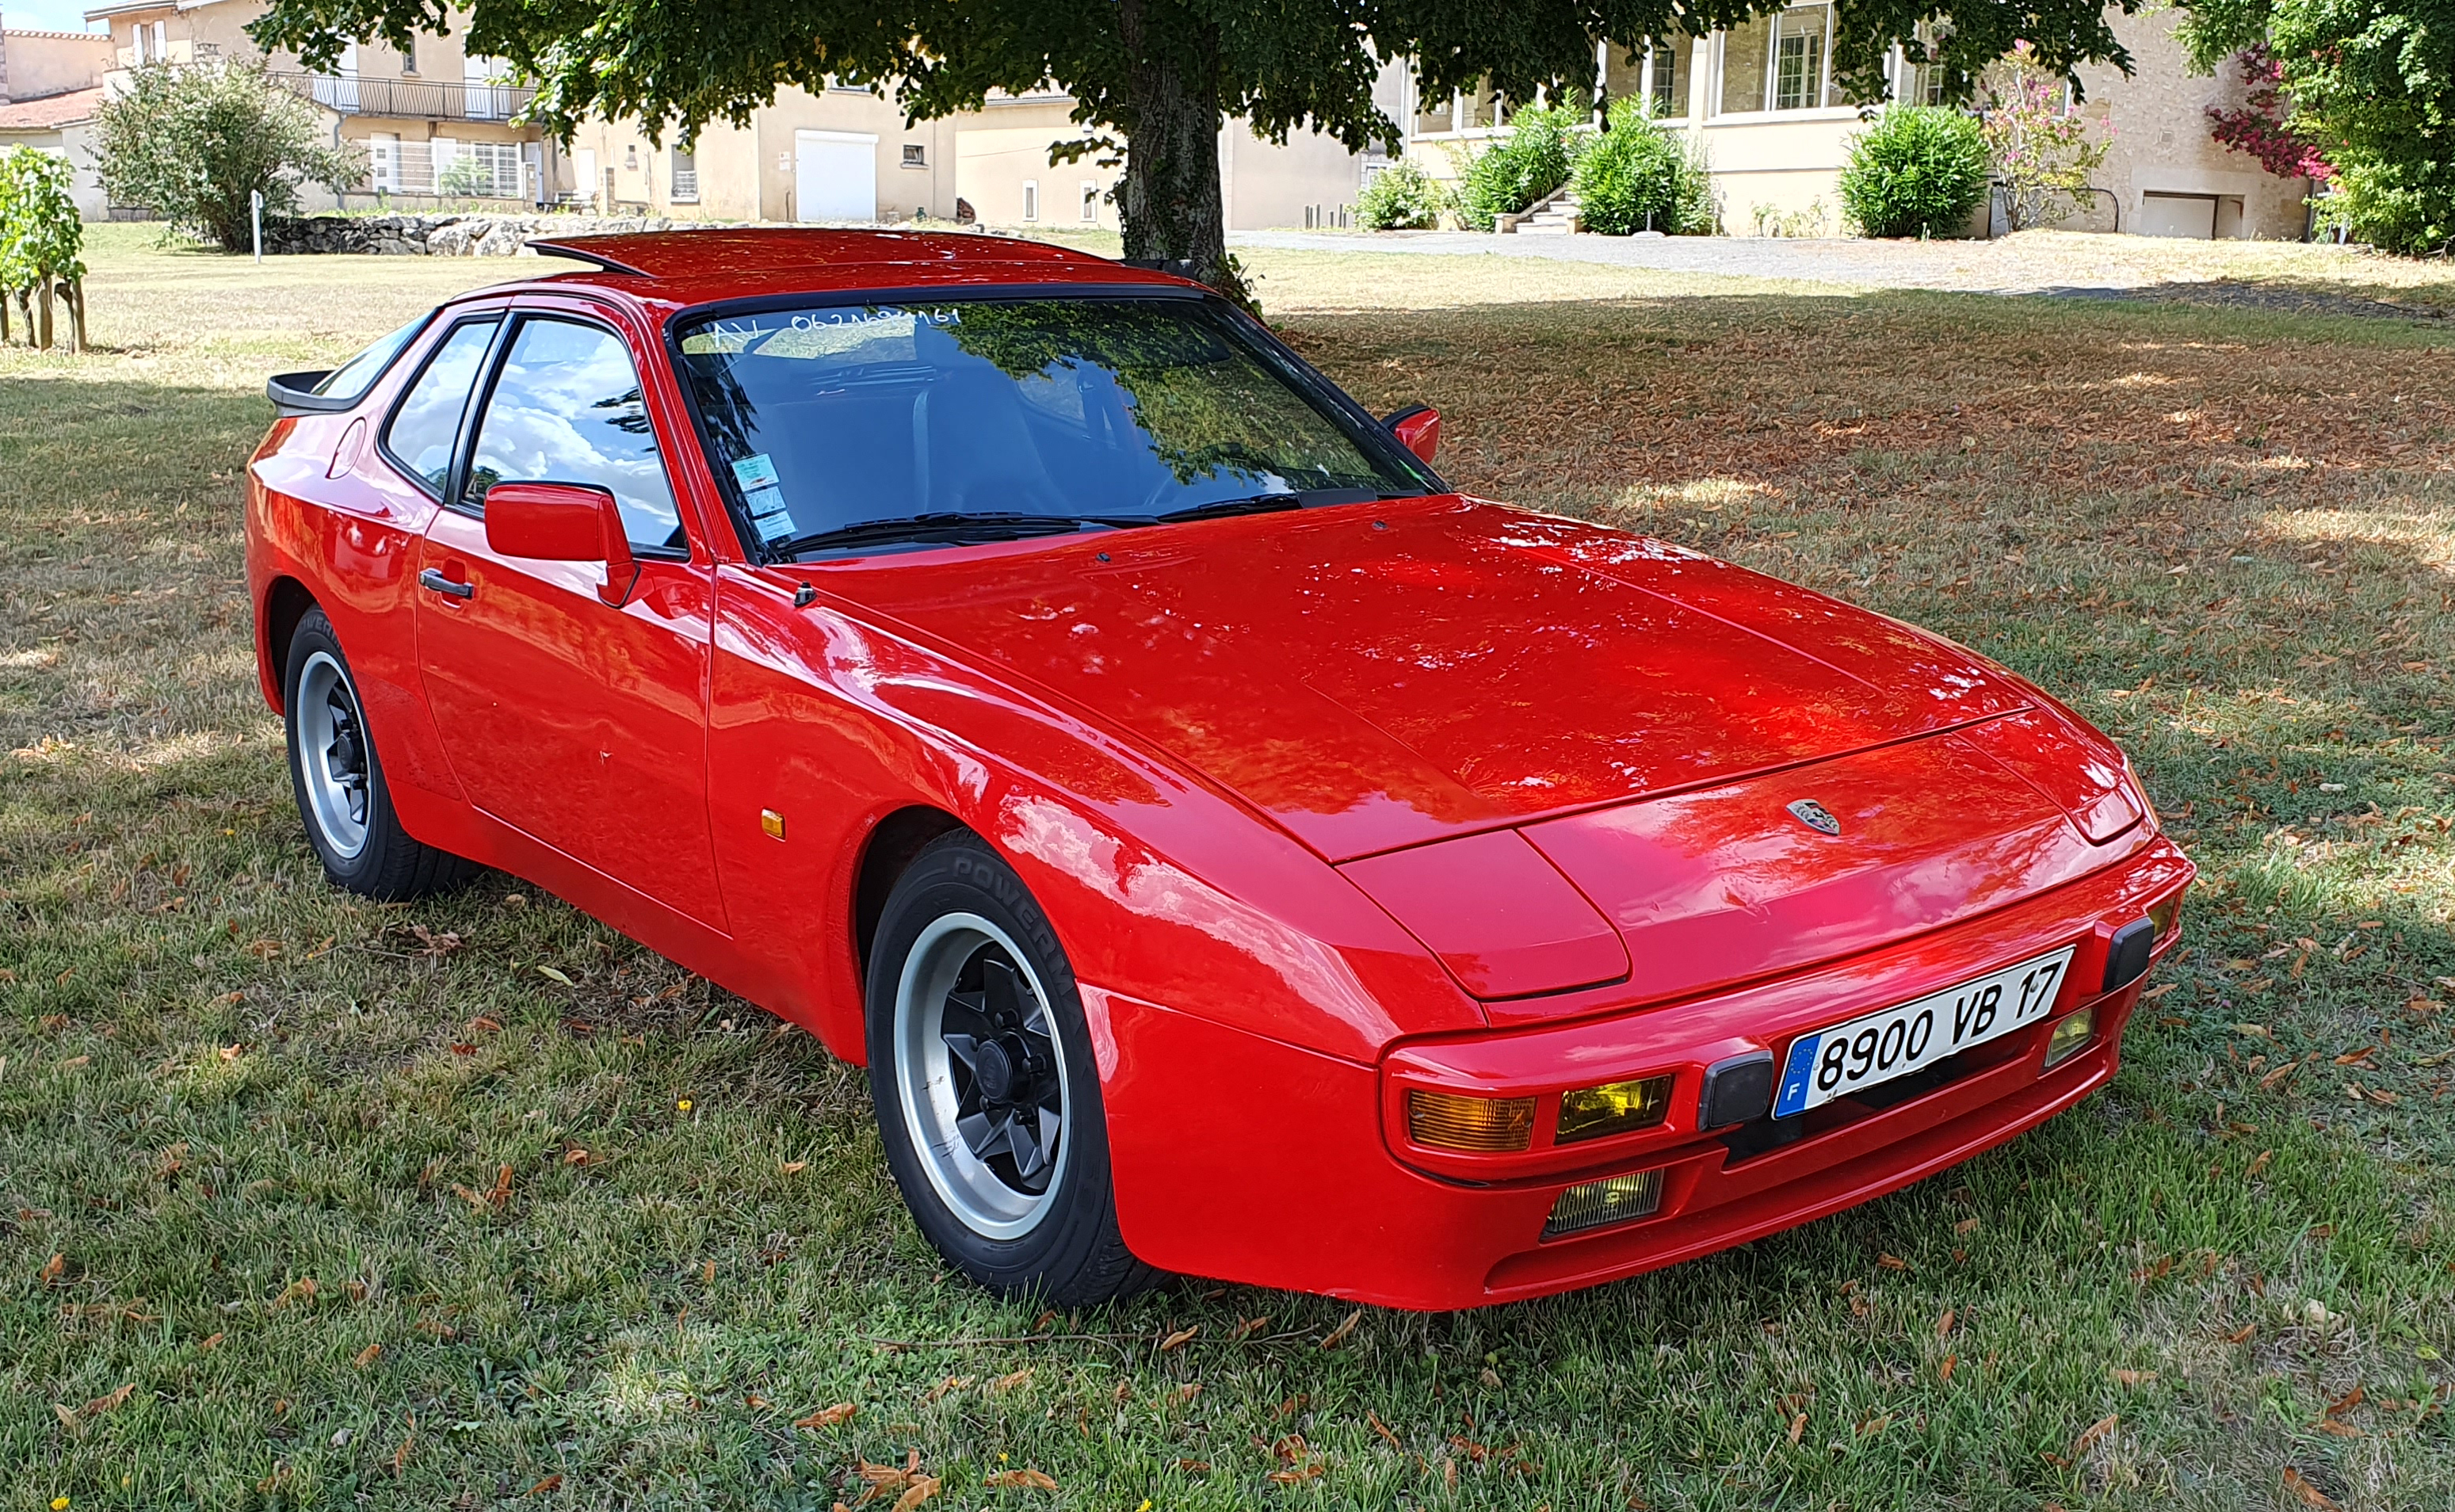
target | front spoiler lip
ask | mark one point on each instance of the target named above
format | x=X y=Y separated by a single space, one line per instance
x=1683 y=1038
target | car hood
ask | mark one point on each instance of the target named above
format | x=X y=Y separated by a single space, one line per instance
x=1374 y=676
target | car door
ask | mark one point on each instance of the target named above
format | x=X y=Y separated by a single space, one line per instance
x=580 y=723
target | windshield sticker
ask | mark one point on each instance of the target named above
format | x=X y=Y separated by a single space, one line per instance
x=754 y=473
x=774 y=527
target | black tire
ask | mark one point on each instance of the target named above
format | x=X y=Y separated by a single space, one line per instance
x=386 y=862
x=1072 y=1255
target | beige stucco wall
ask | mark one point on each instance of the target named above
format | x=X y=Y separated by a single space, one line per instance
x=2160 y=140
x=749 y=172
x=1001 y=149
x=43 y=63
x=1788 y=164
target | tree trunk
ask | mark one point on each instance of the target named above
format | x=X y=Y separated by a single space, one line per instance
x=43 y=313
x=4 y=317
x=75 y=290
x=1169 y=205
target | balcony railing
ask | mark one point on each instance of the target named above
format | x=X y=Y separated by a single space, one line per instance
x=414 y=100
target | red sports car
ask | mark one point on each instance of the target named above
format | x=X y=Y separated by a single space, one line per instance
x=1230 y=850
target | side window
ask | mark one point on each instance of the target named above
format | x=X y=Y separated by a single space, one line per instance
x=427 y=421
x=567 y=409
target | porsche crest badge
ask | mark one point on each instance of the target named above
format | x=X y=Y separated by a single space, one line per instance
x=1816 y=817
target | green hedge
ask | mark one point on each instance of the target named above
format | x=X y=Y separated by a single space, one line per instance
x=1517 y=170
x=1636 y=176
x=1917 y=170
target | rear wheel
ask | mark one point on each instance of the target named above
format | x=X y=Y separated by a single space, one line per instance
x=339 y=783
x=988 y=1100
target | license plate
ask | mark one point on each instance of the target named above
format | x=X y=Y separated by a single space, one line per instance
x=1897 y=1041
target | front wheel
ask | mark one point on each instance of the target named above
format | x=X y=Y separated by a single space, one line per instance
x=988 y=1099
x=350 y=825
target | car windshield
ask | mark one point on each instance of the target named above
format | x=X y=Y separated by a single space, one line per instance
x=862 y=427
x=355 y=376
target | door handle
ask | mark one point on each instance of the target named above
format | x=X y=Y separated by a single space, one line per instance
x=431 y=579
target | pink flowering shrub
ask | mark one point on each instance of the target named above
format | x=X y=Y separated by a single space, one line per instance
x=2259 y=125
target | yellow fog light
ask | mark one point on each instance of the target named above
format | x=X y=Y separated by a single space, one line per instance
x=1591 y=1113
x=2165 y=914
x=1448 y=1120
x=1595 y=1205
x=2069 y=1036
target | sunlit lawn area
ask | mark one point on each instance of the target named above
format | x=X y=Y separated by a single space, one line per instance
x=310 y=1202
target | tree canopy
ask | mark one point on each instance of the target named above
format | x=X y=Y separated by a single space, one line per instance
x=1151 y=79
x=194 y=142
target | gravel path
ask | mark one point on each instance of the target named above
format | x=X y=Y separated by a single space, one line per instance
x=2073 y=267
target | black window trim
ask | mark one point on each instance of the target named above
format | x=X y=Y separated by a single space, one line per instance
x=482 y=394
x=501 y=317
x=1307 y=377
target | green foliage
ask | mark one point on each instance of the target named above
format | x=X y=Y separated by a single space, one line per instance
x=194 y=141
x=2373 y=84
x=41 y=237
x=1400 y=197
x=1636 y=176
x=40 y=232
x=1916 y=171
x=1511 y=172
x=2042 y=152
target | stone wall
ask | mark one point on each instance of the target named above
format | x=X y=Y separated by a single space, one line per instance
x=451 y=235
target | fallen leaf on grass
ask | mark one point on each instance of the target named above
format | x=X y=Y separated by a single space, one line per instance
x=551 y=973
x=796 y=1167
x=1011 y=1380
x=1966 y=1225
x=1338 y=1335
x=1194 y=1466
x=2276 y=1078
x=2311 y=1496
x=1248 y=1328
x=210 y=1343
x=2135 y=1378
x=109 y=1402
x=828 y=1416
x=1373 y=1421
x=1892 y=1262
x=1179 y=1338
x=2259 y=1162
x=483 y=1025
x=2091 y=1434
x=2241 y=1335
x=302 y=1290
x=551 y=1482
x=2341 y=1430
x=367 y=1357
x=946 y=1388
x=1944 y=1324
x=1020 y=1481
x=1799 y=1423
x=2347 y=1401
x=1942 y=1371
x=52 y=1268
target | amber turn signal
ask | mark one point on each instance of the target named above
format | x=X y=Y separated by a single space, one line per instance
x=2165 y=914
x=1617 y=1107
x=1448 y=1120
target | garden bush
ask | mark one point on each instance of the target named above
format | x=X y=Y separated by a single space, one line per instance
x=1401 y=197
x=41 y=237
x=194 y=141
x=1917 y=170
x=1636 y=176
x=1516 y=170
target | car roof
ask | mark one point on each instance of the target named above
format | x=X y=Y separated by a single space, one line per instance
x=679 y=267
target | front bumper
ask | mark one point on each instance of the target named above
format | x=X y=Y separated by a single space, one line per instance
x=1248 y=1160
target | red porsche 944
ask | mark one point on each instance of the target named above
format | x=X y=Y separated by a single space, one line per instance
x=1230 y=850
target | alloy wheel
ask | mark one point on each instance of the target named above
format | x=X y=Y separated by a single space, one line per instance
x=982 y=1074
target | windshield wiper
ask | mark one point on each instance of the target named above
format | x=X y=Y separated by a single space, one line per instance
x=1269 y=503
x=950 y=525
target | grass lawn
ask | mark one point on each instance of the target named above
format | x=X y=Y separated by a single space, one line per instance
x=307 y=1203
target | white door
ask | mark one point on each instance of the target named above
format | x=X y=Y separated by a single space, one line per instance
x=835 y=175
x=2178 y=215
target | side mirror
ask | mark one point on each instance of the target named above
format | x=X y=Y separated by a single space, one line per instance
x=1417 y=428
x=563 y=522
